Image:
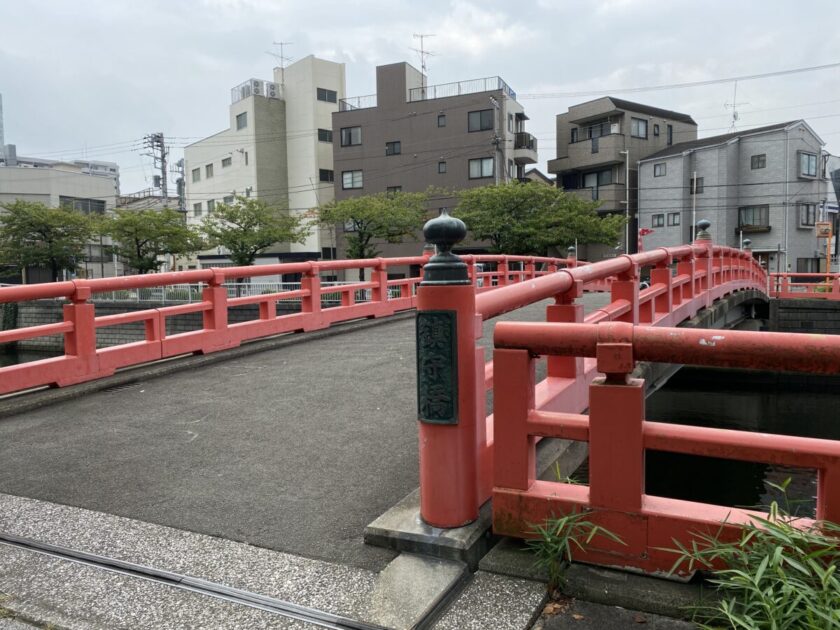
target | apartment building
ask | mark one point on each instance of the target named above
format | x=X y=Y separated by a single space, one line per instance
x=767 y=184
x=278 y=148
x=599 y=144
x=410 y=136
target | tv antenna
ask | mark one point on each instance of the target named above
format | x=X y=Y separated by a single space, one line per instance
x=734 y=107
x=282 y=59
x=422 y=50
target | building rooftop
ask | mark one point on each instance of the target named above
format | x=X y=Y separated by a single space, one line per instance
x=676 y=149
x=653 y=111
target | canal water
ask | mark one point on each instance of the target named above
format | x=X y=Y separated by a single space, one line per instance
x=747 y=401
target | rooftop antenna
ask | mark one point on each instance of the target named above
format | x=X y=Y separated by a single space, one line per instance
x=282 y=59
x=734 y=107
x=422 y=50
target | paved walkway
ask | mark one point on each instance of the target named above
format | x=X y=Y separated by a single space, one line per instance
x=293 y=450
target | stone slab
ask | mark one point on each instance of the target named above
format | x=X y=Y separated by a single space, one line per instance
x=397 y=597
x=494 y=601
x=582 y=615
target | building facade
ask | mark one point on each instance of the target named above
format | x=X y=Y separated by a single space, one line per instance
x=599 y=144
x=277 y=148
x=410 y=137
x=767 y=184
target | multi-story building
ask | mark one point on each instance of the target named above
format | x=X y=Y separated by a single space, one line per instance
x=56 y=184
x=599 y=144
x=410 y=136
x=767 y=184
x=277 y=147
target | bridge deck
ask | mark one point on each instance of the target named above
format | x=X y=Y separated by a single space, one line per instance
x=294 y=449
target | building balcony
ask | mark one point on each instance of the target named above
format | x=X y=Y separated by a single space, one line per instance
x=356 y=102
x=590 y=153
x=524 y=148
x=611 y=196
x=459 y=88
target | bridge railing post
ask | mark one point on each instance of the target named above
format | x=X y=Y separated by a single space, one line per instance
x=215 y=319
x=448 y=375
x=626 y=287
x=706 y=259
x=661 y=275
x=513 y=400
x=564 y=310
x=81 y=341
x=503 y=269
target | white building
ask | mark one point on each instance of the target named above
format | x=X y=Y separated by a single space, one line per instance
x=277 y=147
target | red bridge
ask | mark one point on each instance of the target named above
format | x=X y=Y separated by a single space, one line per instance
x=466 y=455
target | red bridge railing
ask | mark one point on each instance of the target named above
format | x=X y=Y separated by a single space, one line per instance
x=821 y=286
x=83 y=360
x=618 y=435
x=456 y=434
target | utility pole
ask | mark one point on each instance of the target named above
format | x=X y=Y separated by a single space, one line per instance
x=693 y=206
x=157 y=145
x=626 y=154
x=497 y=140
x=180 y=186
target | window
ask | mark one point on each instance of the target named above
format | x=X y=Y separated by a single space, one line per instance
x=481 y=120
x=659 y=170
x=325 y=175
x=208 y=171
x=393 y=189
x=241 y=120
x=481 y=167
x=392 y=148
x=673 y=218
x=351 y=136
x=754 y=217
x=808 y=265
x=758 y=161
x=226 y=162
x=597 y=178
x=227 y=200
x=246 y=158
x=807 y=164
x=196 y=175
x=807 y=214
x=211 y=205
x=638 y=128
x=669 y=129
x=86 y=206
x=698 y=186
x=510 y=123
x=510 y=169
x=325 y=135
x=441 y=167
x=351 y=179
x=328 y=96
x=657 y=220
x=574 y=135
x=197 y=209
x=328 y=253
x=656 y=130
x=441 y=120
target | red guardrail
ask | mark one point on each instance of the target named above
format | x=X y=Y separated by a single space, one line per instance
x=821 y=286
x=84 y=361
x=618 y=435
x=457 y=447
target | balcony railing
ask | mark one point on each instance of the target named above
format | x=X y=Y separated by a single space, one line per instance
x=473 y=86
x=524 y=140
x=356 y=102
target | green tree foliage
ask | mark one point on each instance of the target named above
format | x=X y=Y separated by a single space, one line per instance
x=142 y=237
x=249 y=226
x=33 y=235
x=371 y=219
x=526 y=219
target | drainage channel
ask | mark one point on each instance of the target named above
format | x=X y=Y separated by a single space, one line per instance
x=196 y=585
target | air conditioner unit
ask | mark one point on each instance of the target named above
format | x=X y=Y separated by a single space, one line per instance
x=614 y=128
x=272 y=90
x=257 y=87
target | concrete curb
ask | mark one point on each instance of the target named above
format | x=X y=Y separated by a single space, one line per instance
x=35 y=399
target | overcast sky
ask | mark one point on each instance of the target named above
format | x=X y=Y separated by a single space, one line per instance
x=89 y=78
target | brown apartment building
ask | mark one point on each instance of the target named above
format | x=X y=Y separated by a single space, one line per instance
x=410 y=136
x=599 y=145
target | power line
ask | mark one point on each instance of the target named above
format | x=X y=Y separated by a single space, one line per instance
x=675 y=86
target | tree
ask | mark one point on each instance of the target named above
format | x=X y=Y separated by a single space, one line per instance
x=370 y=219
x=249 y=226
x=142 y=237
x=33 y=235
x=524 y=219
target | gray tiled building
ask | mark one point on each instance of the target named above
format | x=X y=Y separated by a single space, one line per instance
x=766 y=184
x=599 y=144
x=410 y=136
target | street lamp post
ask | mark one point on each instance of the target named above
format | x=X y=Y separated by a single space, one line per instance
x=626 y=154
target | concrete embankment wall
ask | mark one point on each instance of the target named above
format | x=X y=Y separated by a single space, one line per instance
x=41 y=312
x=805 y=316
